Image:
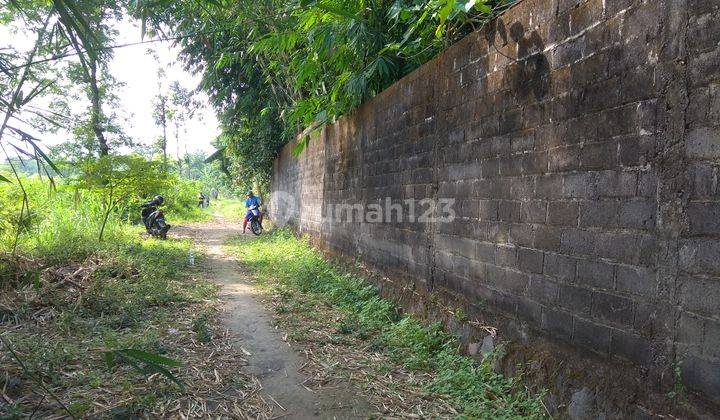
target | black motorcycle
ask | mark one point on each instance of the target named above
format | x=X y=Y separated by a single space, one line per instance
x=154 y=218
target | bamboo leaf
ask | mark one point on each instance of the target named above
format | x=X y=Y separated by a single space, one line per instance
x=153 y=363
x=483 y=7
x=22 y=151
x=300 y=146
x=151 y=357
x=153 y=367
x=109 y=357
x=131 y=361
x=31 y=140
x=339 y=12
x=48 y=119
x=40 y=88
x=75 y=22
x=445 y=11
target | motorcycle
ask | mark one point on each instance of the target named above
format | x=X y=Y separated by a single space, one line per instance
x=203 y=201
x=255 y=225
x=154 y=220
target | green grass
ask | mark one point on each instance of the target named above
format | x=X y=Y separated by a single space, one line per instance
x=285 y=265
x=135 y=293
x=232 y=209
x=132 y=290
x=64 y=223
x=195 y=214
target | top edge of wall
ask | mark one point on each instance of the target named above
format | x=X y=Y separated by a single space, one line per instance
x=442 y=55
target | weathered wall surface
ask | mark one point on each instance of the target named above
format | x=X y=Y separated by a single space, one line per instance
x=581 y=142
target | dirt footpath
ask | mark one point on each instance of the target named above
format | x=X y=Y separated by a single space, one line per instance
x=272 y=360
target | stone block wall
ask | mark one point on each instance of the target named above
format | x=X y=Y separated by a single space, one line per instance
x=580 y=140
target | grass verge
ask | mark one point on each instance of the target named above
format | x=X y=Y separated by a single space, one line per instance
x=60 y=317
x=406 y=367
x=231 y=208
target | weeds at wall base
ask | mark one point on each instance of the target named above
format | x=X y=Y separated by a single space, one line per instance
x=307 y=292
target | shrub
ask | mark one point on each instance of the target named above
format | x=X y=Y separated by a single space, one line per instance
x=64 y=220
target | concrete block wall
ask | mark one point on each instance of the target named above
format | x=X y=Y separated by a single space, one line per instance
x=580 y=140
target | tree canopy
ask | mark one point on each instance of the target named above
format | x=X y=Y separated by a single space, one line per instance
x=272 y=69
x=275 y=68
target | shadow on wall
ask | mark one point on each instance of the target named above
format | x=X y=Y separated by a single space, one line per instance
x=530 y=74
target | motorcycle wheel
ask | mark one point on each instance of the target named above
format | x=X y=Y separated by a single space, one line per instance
x=255 y=227
x=162 y=229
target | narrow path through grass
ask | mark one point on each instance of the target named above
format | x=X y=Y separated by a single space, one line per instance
x=63 y=308
x=405 y=366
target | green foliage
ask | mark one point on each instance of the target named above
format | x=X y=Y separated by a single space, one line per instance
x=118 y=314
x=115 y=180
x=128 y=181
x=475 y=390
x=201 y=329
x=144 y=362
x=273 y=69
x=678 y=392
x=63 y=222
x=58 y=28
x=232 y=209
x=460 y=315
x=211 y=175
x=123 y=310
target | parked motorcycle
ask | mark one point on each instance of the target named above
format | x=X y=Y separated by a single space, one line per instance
x=154 y=218
x=203 y=201
x=255 y=225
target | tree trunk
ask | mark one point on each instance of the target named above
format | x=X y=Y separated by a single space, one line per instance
x=258 y=190
x=164 y=144
x=163 y=120
x=96 y=110
x=177 y=145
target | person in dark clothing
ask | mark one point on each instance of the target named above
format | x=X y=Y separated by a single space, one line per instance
x=148 y=209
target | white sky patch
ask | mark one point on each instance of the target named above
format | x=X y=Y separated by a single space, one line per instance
x=137 y=70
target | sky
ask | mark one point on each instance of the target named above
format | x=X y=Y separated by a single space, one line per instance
x=137 y=69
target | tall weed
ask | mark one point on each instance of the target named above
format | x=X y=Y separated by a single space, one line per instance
x=110 y=317
x=64 y=221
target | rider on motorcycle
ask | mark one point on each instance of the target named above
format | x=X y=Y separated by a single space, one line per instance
x=251 y=201
x=149 y=208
